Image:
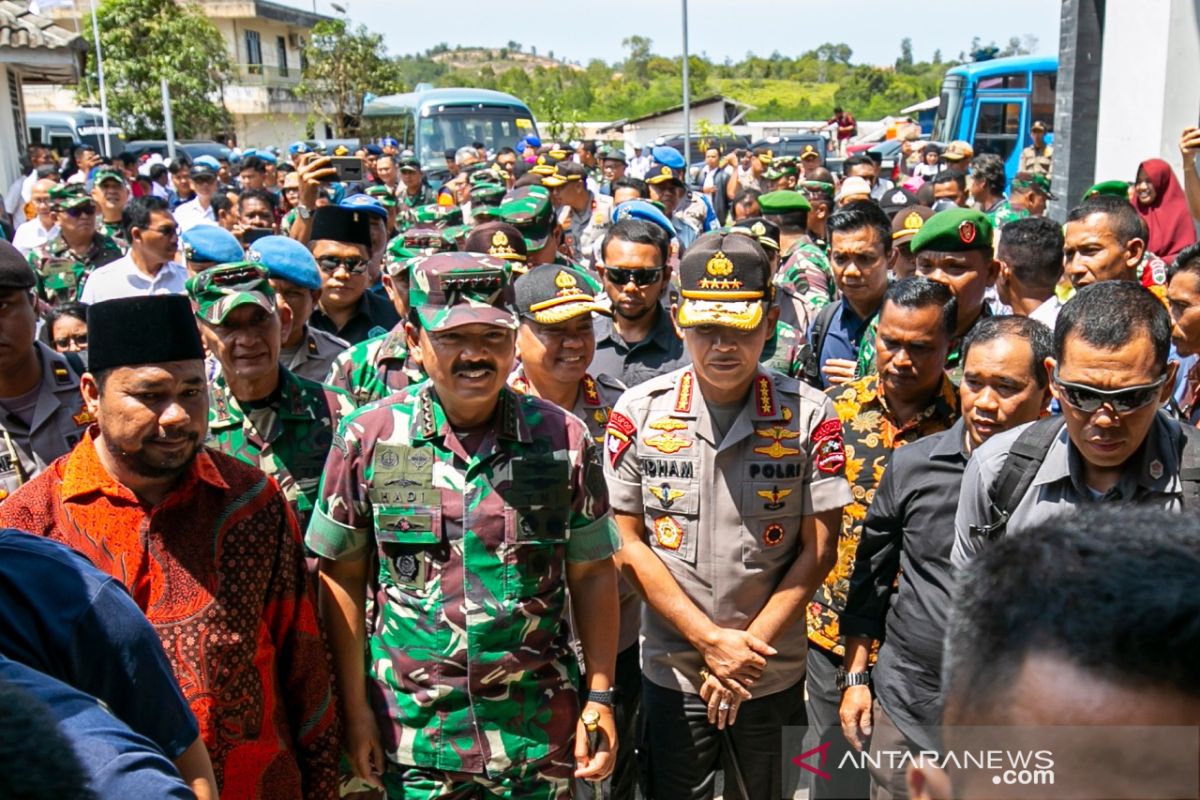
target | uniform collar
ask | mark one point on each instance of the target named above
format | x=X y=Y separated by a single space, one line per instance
x=953 y=443
x=57 y=376
x=394 y=346
x=761 y=405
x=1158 y=455
x=429 y=421
x=84 y=474
x=589 y=390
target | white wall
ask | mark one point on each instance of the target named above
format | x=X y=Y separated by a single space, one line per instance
x=263 y=130
x=1149 y=85
x=10 y=163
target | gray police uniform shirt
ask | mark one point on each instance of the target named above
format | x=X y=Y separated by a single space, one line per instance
x=315 y=354
x=59 y=422
x=586 y=228
x=1151 y=478
x=724 y=513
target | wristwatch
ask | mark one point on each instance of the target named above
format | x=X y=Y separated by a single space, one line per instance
x=304 y=211
x=847 y=679
x=603 y=698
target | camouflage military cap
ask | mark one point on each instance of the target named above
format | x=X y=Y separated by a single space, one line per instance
x=452 y=289
x=426 y=240
x=102 y=175
x=455 y=234
x=217 y=291
x=490 y=174
x=435 y=214
x=528 y=210
x=398 y=256
x=781 y=167
x=549 y=294
x=1024 y=181
x=724 y=279
x=487 y=194
x=383 y=195
x=68 y=195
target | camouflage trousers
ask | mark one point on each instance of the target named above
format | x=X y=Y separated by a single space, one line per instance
x=549 y=778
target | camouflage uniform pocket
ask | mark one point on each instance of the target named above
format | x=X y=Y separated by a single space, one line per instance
x=404 y=536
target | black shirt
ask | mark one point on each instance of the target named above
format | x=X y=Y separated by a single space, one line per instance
x=909 y=530
x=374 y=315
x=660 y=352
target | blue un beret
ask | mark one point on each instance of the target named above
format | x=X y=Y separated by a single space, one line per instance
x=364 y=202
x=374 y=150
x=208 y=161
x=295 y=148
x=388 y=141
x=287 y=260
x=667 y=156
x=644 y=210
x=211 y=244
x=268 y=157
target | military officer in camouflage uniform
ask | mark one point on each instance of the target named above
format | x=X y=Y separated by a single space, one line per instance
x=805 y=279
x=475 y=508
x=64 y=262
x=41 y=410
x=583 y=215
x=786 y=351
x=259 y=411
x=111 y=193
x=306 y=351
x=381 y=365
x=727 y=482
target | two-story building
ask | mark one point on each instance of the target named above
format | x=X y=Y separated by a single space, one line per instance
x=265 y=42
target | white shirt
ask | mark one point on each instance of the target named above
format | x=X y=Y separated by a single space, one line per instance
x=31 y=234
x=190 y=214
x=1047 y=312
x=122 y=278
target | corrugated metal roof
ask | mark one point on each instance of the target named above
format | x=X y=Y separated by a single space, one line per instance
x=21 y=28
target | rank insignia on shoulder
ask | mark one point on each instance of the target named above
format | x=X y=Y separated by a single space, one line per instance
x=667 y=533
x=62 y=375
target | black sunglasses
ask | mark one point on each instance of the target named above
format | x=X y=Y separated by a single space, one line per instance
x=641 y=277
x=81 y=211
x=354 y=266
x=1089 y=399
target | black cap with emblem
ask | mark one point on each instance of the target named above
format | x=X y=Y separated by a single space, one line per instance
x=765 y=231
x=724 y=279
x=551 y=293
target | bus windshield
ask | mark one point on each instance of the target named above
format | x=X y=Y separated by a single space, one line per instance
x=443 y=129
x=949 y=107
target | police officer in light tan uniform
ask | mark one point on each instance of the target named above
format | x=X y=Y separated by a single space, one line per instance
x=41 y=409
x=727 y=482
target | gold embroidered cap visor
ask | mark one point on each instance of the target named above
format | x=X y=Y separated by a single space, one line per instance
x=724 y=279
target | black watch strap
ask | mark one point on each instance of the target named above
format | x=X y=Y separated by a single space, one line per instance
x=603 y=698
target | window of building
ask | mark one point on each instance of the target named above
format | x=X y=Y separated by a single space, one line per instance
x=254 y=52
x=281 y=55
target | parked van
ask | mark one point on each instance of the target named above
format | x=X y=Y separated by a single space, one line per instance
x=63 y=130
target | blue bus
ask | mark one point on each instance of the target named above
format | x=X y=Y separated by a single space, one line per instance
x=431 y=121
x=992 y=104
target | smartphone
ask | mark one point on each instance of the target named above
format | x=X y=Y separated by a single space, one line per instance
x=348 y=168
x=252 y=235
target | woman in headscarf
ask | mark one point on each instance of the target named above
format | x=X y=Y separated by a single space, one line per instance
x=1159 y=199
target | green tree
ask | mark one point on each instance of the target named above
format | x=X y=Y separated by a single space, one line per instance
x=145 y=41
x=343 y=67
x=905 y=61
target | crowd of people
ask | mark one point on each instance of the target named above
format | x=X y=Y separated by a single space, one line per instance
x=299 y=472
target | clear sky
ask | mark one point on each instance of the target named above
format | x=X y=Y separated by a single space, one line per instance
x=580 y=31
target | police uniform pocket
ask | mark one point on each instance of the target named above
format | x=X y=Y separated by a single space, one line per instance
x=405 y=536
x=771 y=519
x=672 y=516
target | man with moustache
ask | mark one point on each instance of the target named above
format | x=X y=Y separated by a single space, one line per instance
x=205 y=545
x=473 y=508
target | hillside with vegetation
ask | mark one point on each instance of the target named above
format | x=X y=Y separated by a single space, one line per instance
x=803 y=86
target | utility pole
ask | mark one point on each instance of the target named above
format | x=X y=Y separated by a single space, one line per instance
x=687 y=104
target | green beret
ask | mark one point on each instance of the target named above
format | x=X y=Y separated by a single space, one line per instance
x=955 y=230
x=784 y=201
x=1113 y=188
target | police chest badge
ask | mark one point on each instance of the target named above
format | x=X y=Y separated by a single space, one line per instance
x=827 y=445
